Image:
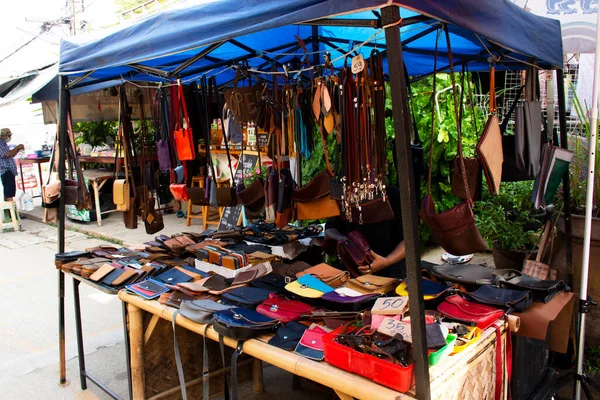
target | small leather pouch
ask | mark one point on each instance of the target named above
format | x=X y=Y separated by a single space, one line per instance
x=298 y=289
x=102 y=272
x=311 y=344
x=542 y=291
x=326 y=273
x=282 y=309
x=248 y=297
x=372 y=284
x=126 y=277
x=193 y=287
x=216 y=284
x=201 y=311
x=295 y=268
x=243 y=323
x=70 y=256
x=110 y=278
x=179 y=191
x=459 y=309
x=197 y=196
x=315 y=283
x=354 y=251
x=508 y=299
x=288 y=336
x=121 y=196
x=431 y=290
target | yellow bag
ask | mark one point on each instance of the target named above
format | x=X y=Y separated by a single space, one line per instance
x=121 y=194
x=303 y=290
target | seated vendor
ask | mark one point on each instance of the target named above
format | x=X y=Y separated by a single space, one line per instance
x=385 y=238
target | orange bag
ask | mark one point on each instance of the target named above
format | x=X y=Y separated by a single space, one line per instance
x=184 y=140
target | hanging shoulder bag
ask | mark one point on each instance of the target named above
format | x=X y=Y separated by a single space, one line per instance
x=184 y=140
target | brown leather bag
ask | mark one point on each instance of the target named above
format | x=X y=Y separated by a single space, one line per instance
x=537 y=268
x=329 y=275
x=242 y=100
x=455 y=229
x=489 y=147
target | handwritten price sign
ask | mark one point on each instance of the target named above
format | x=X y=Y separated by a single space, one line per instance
x=390 y=306
x=391 y=327
x=358 y=64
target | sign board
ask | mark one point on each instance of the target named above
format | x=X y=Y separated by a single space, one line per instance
x=231 y=218
x=390 y=306
x=392 y=327
x=247 y=162
x=263 y=139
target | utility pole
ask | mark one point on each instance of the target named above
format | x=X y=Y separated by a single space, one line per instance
x=75 y=7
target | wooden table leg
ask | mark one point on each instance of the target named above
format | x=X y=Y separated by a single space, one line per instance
x=97 y=201
x=136 y=340
x=257 y=376
x=22 y=180
x=41 y=178
x=344 y=396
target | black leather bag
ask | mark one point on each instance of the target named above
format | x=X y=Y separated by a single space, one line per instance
x=471 y=274
x=542 y=291
x=248 y=297
x=509 y=299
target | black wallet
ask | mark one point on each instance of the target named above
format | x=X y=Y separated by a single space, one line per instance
x=70 y=256
x=173 y=277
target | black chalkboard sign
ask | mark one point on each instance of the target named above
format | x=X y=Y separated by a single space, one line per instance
x=262 y=139
x=231 y=218
x=248 y=161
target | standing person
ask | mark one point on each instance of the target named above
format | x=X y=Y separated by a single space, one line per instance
x=8 y=168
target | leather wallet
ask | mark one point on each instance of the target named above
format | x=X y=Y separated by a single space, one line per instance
x=102 y=272
x=110 y=278
x=125 y=277
x=311 y=344
x=173 y=277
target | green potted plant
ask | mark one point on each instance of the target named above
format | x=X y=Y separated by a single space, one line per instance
x=507 y=223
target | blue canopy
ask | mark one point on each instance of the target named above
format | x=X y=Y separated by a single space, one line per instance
x=221 y=33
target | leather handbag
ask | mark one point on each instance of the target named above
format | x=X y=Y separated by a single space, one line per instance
x=327 y=274
x=542 y=290
x=184 y=140
x=201 y=311
x=314 y=283
x=288 y=336
x=489 y=146
x=536 y=268
x=303 y=291
x=243 y=324
x=340 y=302
x=455 y=229
x=372 y=284
x=197 y=196
x=242 y=100
x=248 y=297
x=285 y=188
x=255 y=272
x=471 y=274
x=179 y=191
x=283 y=310
x=311 y=344
x=459 y=309
x=273 y=282
x=271 y=185
x=507 y=299
x=354 y=251
x=161 y=110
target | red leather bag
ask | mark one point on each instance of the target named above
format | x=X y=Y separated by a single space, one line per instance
x=282 y=309
x=455 y=307
x=354 y=251
x=184 y=140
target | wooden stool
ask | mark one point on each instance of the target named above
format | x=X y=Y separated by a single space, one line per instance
x=205 y=210
x=11 y=206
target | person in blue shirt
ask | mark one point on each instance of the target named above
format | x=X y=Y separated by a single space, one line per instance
x=8 y=168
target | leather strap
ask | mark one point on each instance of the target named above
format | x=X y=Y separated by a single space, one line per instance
x=431 y=138
x=205 y=373
x=225 y=135
x=234 y=379
x=225 y=385
x=458 y=124
x=493 y=100
x=178 y=358
x=181 y=99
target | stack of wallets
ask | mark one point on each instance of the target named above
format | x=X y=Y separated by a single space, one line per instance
x=218 y=255
x=148 y=289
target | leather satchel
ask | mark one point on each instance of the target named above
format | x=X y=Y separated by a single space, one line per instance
x=121 y=194
x=326 y=273
x=508 y=299
x=455 y=229
x=372 y=284
x=285 y=188
x=243 y=324
x=248 y=297
x=542 y=290
x=459 y=309
x=197 y=196
x=354 y=251
x=201 y=311
x=471 y=274
x=340 y=302
x=179 y=191
x=282 y=309
x=474 y=175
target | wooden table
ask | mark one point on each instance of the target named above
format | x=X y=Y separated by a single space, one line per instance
x=449 y=379
x=98 y=177
x=28 y=161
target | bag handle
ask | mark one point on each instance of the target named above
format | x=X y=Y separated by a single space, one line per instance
x=493 y=99
x=181 y=99
x=214 y=84
x=458 y=123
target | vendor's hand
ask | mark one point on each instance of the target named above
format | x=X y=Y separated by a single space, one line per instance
x=20 y=147
x=378 y=264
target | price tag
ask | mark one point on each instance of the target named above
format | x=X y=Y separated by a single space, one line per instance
x=390 y=306
x=391 y=327
x=358 y=64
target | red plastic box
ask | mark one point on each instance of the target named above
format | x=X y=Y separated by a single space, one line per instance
x=379 y=371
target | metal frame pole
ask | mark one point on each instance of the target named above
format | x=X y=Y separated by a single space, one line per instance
x=79 y=332
x=584 y=302
x=63 y=99
x=408 y=198
x=564 y=143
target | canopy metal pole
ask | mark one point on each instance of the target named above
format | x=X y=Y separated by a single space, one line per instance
x=402 y=126
x=589 y=203
x=63 y=101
